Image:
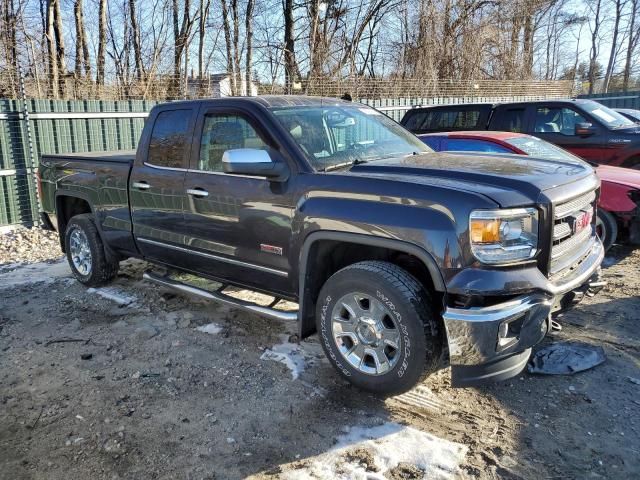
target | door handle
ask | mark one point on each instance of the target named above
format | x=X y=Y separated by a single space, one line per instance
x=197 y=192
x=141 y=185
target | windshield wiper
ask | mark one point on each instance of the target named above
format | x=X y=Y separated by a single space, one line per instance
x=357 y=161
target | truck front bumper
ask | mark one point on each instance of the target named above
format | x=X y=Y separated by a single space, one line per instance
x=495 y=342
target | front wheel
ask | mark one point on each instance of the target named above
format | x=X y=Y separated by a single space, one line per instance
x=89 y=262
x=606 y=228
x=377 y=327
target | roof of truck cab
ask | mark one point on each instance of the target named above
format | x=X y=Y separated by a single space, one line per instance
x=499 y=104
x=269 y=101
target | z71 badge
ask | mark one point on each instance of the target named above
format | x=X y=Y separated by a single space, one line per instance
x=271 y=249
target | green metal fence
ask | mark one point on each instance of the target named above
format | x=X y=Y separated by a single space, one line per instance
x=56 y=126
x=616 y=99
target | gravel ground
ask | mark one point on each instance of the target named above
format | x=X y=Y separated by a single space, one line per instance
x=28 y=245
x=133 y=381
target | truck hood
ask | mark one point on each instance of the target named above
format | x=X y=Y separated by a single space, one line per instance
x=497 y=176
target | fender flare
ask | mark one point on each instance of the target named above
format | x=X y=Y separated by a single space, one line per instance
x=81 y=196
x=306 y=318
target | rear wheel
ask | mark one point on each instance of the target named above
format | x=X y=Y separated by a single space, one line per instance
x=86 y=255
x=606 y=228
x=377 y=327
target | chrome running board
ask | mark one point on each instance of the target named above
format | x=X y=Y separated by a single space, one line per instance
x=220 y=297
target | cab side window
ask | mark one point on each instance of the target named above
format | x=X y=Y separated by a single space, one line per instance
x=513 y=120
x=168 y=144
x=557 y=120
x=225 y=132
x=458 y=119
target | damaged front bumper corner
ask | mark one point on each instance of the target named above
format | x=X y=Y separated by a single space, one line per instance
x=494 y=343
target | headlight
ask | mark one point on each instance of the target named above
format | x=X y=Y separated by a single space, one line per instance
x=504 y=236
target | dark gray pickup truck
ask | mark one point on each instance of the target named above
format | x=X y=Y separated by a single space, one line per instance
x=403 y=260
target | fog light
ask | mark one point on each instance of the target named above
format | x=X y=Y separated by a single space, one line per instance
x=509 y=332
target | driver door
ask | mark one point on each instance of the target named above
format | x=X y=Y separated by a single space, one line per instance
x=237 y=226
x=557 y=124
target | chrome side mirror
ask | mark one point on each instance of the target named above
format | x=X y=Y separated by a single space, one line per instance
x=255 y=162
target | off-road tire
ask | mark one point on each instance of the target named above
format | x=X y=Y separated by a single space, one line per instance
x=421 y=333
x=607 y=228
x=103 y=267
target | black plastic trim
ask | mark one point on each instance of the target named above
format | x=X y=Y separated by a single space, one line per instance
x=502 y=369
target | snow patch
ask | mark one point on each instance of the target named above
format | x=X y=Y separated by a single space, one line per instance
x=34 y=273
x=210 y=328
x=114 y=294
x=291 y=354
x=389 y=444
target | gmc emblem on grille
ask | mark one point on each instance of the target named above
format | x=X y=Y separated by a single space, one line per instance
x=582 y=220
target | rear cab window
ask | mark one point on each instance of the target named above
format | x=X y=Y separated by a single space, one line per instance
x=444 y=119
x=170 y=141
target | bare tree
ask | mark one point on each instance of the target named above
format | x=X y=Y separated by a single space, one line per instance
x=290 y=67
x=229 y=46
x=595 y=43
x=633 y=37
x=135 y=34
x=102 y=41
x=249 y=35
x=202 y=23
x=613 y=54
x=51 y=48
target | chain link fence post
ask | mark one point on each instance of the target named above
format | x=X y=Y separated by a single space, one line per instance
x=30 y=162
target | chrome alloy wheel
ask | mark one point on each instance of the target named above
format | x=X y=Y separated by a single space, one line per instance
x=80 y=251
x=366 y=333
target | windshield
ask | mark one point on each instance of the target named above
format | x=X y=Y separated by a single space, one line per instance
x=633 y=115
x=539 y=148
x=610 y=118
x=335 y=136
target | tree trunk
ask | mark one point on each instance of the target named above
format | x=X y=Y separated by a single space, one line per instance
x=60 y=50
x=135 y=33
x=289 y=46
x=249 y=33
x=82 y=61
x=236 y=49
x=527 y=47
x=204 y=15
x=227 y=39
x=102 y=41
x=631 y=44
x=614 y=47
x=593 y=53
x=181 y=32
x=51 y=49
x=314 y=38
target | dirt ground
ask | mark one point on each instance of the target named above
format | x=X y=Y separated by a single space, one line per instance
x=119 y=382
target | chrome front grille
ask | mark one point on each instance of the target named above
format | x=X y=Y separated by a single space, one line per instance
x=570 y=242
x=580 y=203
